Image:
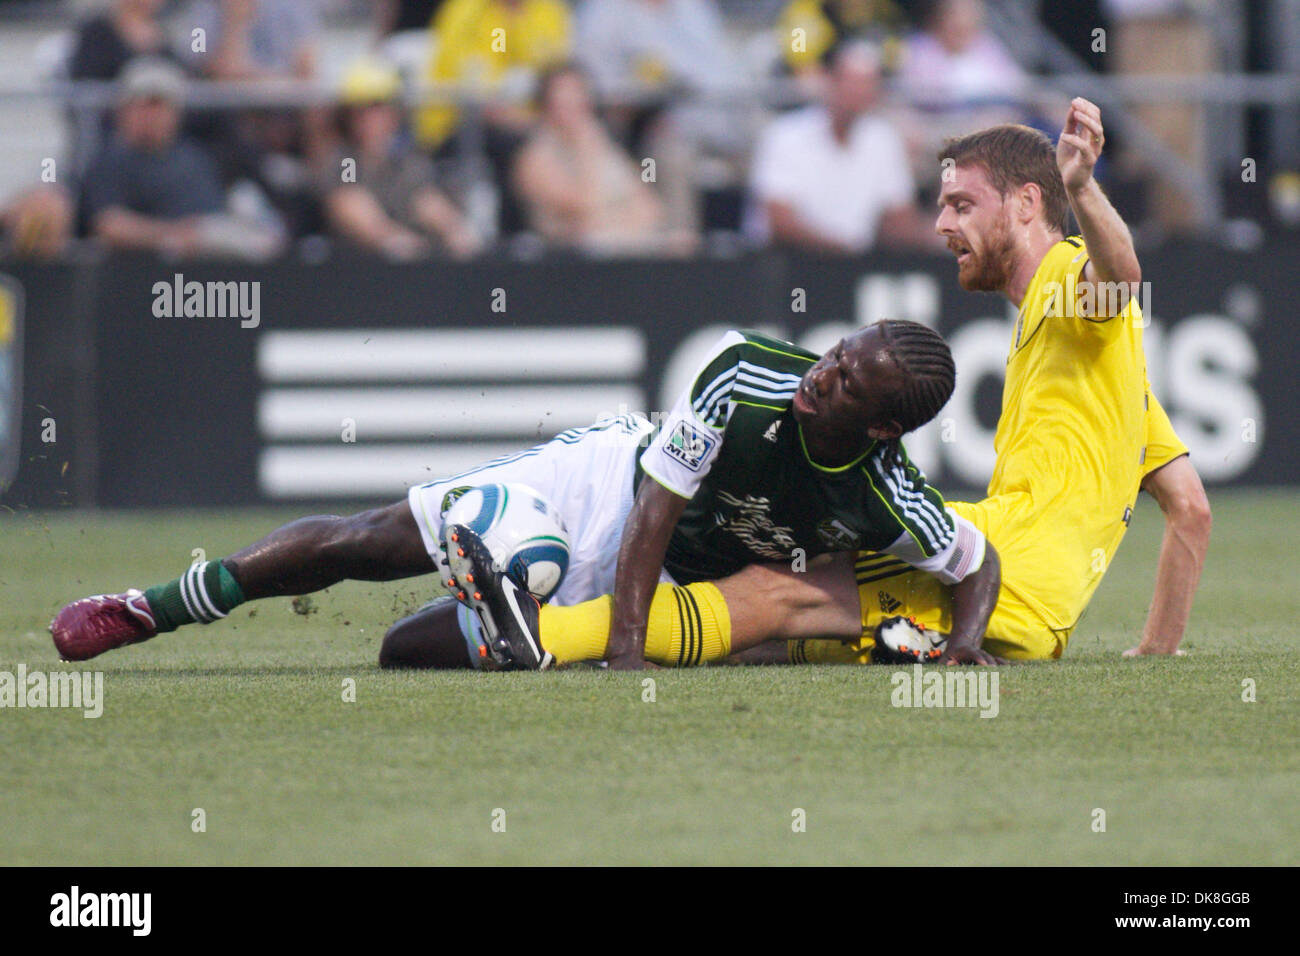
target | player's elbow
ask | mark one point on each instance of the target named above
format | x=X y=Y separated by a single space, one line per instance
x=1189 y=513
x=1131 y=275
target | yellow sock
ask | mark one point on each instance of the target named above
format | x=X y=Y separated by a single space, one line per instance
x=687 y=626
x=577 y=633
x=831 y=652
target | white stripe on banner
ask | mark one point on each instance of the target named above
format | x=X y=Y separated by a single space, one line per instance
x=440 y=412
x=441 y=354
x=360 y=471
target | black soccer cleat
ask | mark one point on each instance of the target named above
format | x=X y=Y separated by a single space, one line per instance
x=508 y=613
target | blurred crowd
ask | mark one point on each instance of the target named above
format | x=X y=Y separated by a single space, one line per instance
x=604 y=127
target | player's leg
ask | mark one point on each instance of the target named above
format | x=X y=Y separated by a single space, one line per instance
x=432 y=637
x=309 y=554
x=306 y=555
x=707 y=621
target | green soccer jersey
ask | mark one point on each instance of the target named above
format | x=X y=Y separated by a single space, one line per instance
x=732 y=446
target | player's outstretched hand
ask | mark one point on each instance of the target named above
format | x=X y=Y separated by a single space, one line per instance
x=1139 y=652
x=1079 y=147
x=966 y=654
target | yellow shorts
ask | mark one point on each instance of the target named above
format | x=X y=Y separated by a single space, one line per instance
x=887 y=587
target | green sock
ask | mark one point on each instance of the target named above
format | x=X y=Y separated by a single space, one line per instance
x=205 y=593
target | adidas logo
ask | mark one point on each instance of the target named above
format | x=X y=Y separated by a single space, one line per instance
x=888 y=603
x=770 y=434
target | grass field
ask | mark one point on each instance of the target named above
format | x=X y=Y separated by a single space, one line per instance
x=246 y=720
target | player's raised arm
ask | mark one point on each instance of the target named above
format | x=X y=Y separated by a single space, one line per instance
x=1112 y=257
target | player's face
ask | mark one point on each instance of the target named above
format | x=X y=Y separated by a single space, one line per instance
x=976 y=221
x=841 y=401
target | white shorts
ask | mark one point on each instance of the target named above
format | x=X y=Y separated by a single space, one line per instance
x=586 y=473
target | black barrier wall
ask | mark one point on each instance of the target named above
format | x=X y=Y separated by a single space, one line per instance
x=149 y=383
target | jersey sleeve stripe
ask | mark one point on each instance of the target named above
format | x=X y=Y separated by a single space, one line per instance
x=921 y=512
x=926 y=509
x=714 y=396
x=774 y=377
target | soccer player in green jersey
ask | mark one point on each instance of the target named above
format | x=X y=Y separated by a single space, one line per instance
x=773 y=453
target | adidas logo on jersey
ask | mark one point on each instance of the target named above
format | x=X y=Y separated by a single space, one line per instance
x=888 y=603
x=772 y=429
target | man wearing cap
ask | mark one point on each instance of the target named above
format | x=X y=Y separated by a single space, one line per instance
x=378 y=191
x=150 y=187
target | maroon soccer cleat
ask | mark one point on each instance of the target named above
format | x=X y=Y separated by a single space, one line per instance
x=93 y=625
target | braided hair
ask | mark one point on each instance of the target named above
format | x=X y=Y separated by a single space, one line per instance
x=929 y=374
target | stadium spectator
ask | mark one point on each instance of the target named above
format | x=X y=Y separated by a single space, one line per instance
x=826 y=24
x=106 y=42
x=151 y=188
x=379 y=191
x=256 y=39
x=499 y=46
x=651 y=61
x=955 y=62
x=579 y=188
x=103 y=45
x=956 y=76
x=835 y=177
x=37 y=222
x=261 y=40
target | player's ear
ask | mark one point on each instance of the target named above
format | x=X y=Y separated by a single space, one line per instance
x=886 y=432
x=1029 y=199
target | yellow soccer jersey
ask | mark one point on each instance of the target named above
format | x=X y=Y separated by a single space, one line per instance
x=1072 y=439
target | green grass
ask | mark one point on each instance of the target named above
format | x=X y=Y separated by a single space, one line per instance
x=245 y=719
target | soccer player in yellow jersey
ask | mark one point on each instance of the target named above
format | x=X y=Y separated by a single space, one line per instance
x=1080 y=432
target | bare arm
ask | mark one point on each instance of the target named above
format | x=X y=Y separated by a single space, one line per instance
x=905 y=226
x=123 y=229
x=789 y=228
x=1112 y=257
x=438 y=214
x=640 y=556
x=973 y=599
x=543 y=183
x=354 y=212
x=1178 y=490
